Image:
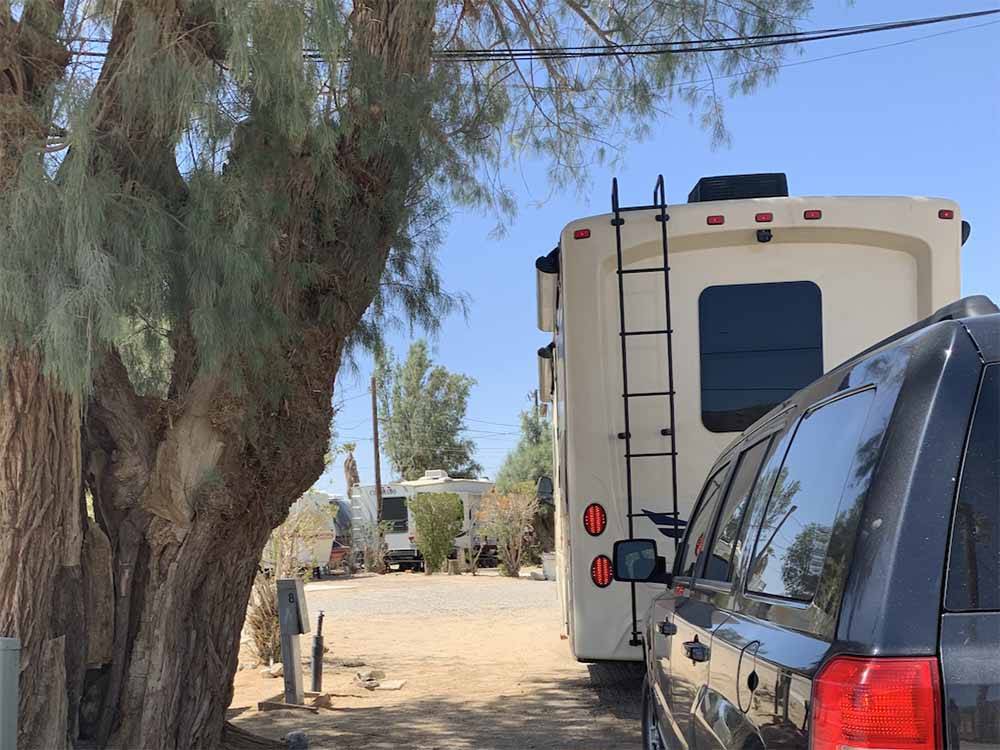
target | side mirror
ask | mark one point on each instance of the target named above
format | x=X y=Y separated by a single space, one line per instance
x=636 y=561
x=544 y=489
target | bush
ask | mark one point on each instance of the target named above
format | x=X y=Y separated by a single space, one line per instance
x=262 y=620
x=508 y=519
x=438 y=520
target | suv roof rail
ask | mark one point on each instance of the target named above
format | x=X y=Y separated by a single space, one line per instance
x=967 y=307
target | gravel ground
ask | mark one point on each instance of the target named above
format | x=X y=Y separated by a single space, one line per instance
x=420 y=595
x=484 y=664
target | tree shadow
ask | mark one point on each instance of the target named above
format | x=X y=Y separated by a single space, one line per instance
x=576 y=711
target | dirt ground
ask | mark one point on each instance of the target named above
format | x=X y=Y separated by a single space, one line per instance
x=483 y=662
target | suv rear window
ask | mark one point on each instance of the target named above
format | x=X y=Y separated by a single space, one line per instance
x=727 y=530
x=798 y=522
x=974 y=561
x=701 y=523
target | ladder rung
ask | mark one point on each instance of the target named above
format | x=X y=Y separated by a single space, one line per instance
x=647 y=393
x=654 y=332
x=657 y=269
x=650 y=455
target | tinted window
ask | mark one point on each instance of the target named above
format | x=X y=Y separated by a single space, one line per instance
x=701 y=524
x=974 y=563
x=719 y=565
x=394 y=513
x=795 y=532
x=759 y=344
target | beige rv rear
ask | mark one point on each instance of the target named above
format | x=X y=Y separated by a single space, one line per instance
x=764 y=293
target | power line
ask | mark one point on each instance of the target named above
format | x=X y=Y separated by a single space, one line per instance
x=728 y=44
x=835 y=56
x=719 y=44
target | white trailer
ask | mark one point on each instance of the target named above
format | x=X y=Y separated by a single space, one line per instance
x=400 y=538
x=395 y=513
x=766 y=292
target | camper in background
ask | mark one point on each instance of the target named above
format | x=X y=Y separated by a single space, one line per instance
x=399 y=537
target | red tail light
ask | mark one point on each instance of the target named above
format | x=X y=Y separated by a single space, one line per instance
x=595 y=519
x=600 y=571
x=884 y=703
x=716 y=220
x=581 y=234
x=812 y=214
x=946 y=213
x=765 y=217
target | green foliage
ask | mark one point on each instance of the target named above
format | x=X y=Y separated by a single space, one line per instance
x=531 y=458
x=423 y=407
x=507 y=519
x=202 y=180
x=438 y=520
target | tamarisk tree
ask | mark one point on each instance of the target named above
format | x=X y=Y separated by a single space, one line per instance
x=203 y=204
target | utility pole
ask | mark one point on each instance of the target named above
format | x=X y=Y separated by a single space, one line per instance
x=380 y=566
x=535 y=394
x=378 y=465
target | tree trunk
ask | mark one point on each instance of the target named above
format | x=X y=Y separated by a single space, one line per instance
x=41 y=537
x=188 y=503
x=186 y=601
x=187 y=489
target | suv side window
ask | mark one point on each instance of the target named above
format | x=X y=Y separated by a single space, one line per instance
x=798 y=522
x=974 y=560
x=727 y=530
x=701 y=523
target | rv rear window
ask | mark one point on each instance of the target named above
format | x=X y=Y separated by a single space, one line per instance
x=759 y=344
x=394 y=513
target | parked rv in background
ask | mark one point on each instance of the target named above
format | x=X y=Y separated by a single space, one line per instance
x=400 y=539
x=676 y=327
x=323 y=529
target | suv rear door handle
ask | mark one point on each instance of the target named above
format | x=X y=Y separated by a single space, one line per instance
x=667 y=628
x=696 y=650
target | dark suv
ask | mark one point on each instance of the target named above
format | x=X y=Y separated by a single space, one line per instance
x=838 y=587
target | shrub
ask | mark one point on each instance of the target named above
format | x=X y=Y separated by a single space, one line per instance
x=262 y=620
x=289 y=550
x=438 y=520
x=508 y=519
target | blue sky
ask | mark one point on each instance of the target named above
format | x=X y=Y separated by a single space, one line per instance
x=914 y=119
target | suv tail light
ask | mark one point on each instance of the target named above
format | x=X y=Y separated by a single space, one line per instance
x=885 y=703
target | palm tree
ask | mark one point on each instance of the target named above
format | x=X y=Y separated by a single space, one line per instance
x=351 y=477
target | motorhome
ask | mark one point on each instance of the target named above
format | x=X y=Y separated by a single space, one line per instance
x=676 y=326
x=400 y=537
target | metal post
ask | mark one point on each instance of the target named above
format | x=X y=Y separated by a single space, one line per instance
x=293 y=618
x=10 y=668
x=378 y=461
x=317 y=657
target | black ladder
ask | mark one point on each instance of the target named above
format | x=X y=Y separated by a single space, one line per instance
x=661 y=216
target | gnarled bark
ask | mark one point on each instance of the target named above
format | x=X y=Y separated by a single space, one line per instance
x=41 y=535
x=41 y=528
x=187 y=536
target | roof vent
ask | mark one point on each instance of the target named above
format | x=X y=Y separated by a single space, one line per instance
x=436 y=474
x=739 y=186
